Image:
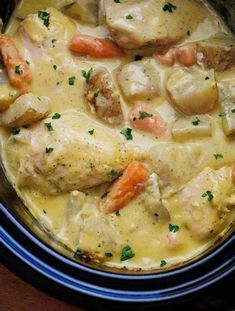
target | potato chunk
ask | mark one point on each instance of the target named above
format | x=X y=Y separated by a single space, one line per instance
x=7 y=96
x=228 y=117
x=192 y=90
x=85 y=11
x=26 y=110
x=192 y=127
x=218 y=51
x=140 y=80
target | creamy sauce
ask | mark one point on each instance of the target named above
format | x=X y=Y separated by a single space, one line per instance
x=135 y=226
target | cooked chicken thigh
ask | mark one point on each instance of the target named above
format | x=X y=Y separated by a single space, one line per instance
x=137 y=23
x=73 y=152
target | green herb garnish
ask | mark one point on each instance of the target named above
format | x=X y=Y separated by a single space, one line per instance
x=117 y=1
x=18 y=70
x=56 y=116
x=126 y=253
x=208 y=194
x=87 y=74
x=129 y=16
x=15 y=131
x=217 y=156
x=78 y=254
x=45 y=17
x=96 y=94
x=49 y=127
x=196 y=122
x=27 y=62
x=71 y=80
x=109 y=255
x=173 y=228
x=49 y=149
x=127 y=132
x=118 y=214
x=104 y=194
x=169 y=7
x=144 y=115
x=222 y=114
x=163 y=263
x=112 y=174
x=55 y=67
x=91 y=132
x=207 y=78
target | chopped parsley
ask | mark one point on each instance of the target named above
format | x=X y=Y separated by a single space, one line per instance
x=27 y=62
x=117 y=1
x=104 y=194
x=163 y=263
x=196 y=122
x=87 y=74
x=18 y=70
x=78 y=254
x=127 y=132
x=53 y=40
x=44 y=211
x=56 y=116
x=71 y=80
x=173 y=228
x=109 y=255
x=45 y=17
x=217 y=156
x=208 y=194
x=126 y=253
x=15 y=131
x=207 y=78
x=188 y=32
x=118 y=214
x=49 y=127
x=49 y=149
x=112 y=174
x=96 y=94
x=129 y=16
x=233 y=110
x=55 y=67
x=144 y=114
x=138 y=57
x=169 y=7
x=222 y=114
x=91 y=132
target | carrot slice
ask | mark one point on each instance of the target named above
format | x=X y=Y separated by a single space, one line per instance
x=233 y=173
x=95 y=47
x=18 y=71
x=142 y=119
x=125 y=188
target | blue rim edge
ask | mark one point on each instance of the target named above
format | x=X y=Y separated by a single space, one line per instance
x=79 y=286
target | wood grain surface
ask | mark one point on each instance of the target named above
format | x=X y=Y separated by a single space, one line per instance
x=17 y=295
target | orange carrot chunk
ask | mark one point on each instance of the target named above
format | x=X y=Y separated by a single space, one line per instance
x=95 y=47
x=18 y=71
x=125 y=188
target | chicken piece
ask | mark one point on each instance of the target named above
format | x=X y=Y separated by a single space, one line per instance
x=26 y=110
x=140 y=80
x=206 y=200
x=176 y=164
x=85 y=11
x=192 y=90
x=142 y=118
x=218 y=51
x=103 y=98
x=73 y=152
x=173 y=240
x=151 y=199
x=7 y=96
x=125 y=188
x=18 y=71
x=49 y=27
x=95 y=47
x=134 y=24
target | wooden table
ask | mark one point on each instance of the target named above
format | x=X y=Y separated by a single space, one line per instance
x=17 y=295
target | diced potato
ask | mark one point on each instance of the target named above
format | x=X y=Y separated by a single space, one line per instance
x=85 y=11
x=140 y=80
x=192 y=127
x=218 y=51
x=228 y=117
x=192 y=90
x=7 y=96
x=26 y=110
